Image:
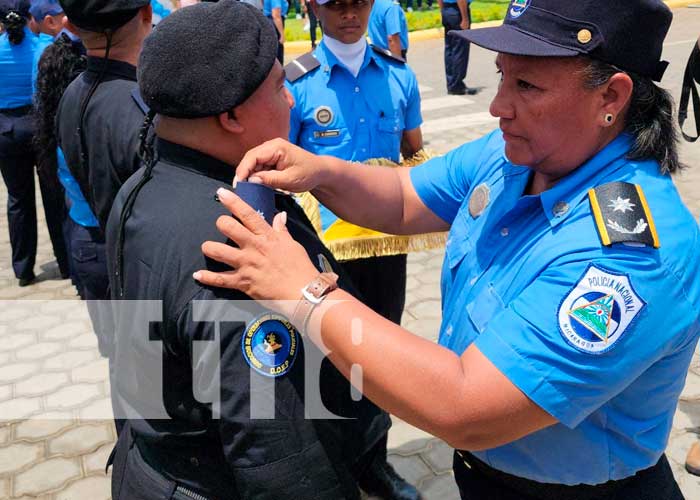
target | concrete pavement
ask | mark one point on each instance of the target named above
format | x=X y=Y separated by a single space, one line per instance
x=55 y=434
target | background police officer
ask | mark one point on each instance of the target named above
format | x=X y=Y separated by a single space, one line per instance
x=456 y=15
x=357 y=102
x=388 y=28
x=236 y=98
x=18 y=47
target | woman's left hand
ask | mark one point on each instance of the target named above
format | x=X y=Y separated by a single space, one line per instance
x=268 y=265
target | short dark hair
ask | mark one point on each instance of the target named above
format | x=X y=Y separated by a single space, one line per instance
x=649 y=118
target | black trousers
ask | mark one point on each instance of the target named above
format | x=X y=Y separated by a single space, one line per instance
x=280 y=47
x=479 y=481
x=313 y=23
x=456 y=49
x=381 y=282
x=17 y=162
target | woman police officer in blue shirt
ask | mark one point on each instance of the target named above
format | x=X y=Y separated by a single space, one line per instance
x=571 y=301
x=18 y=46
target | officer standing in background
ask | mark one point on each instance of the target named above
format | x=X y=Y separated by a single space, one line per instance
x=456 y=15
x=356 y=102
x=236 y=100
x=388 y=28
x=276 y=12
x=99 y=118
x=17 y=48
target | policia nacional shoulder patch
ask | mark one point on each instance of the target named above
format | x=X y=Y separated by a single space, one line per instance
x=595 y=314
x=270 y=345
x=622 y=215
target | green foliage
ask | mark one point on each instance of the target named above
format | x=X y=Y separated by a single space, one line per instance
x=417 y=20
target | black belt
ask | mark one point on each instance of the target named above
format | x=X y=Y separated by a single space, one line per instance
x=467 y=466
x=21 y=111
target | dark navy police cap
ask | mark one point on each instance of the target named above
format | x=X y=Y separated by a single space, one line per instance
x=206 y=59
x=628 y=34
x=42 y=8
x=101 y=15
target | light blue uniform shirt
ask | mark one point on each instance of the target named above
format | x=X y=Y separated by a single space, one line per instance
x=387 y=18
x=16 y=71
x=268 y=5
x=511 y=272
x=354 y=119
x=78 y=208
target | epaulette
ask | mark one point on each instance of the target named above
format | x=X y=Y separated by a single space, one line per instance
x=136 y=96
x=388 y=53
x=301 y=66
x=622 y=215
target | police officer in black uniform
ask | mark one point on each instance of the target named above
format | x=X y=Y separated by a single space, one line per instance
x=231 y=98
x=98 y=118
x=98 y=125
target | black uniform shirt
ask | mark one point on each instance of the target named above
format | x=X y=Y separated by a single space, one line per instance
x=288 y=457
x=111 y=129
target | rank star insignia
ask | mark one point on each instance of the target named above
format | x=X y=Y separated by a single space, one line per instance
x=621 y=205
x=598 y=310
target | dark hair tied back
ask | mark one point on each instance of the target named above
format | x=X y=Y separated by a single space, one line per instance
x=13 y=23
x=649 y=119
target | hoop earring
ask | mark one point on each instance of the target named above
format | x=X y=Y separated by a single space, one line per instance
x=609 y=118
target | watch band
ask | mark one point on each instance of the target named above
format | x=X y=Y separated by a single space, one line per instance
x=312 y=295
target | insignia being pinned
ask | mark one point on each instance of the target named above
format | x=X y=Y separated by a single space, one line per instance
x=622 y=215
x=595 y=314
x=270 y=345
x=480 y=199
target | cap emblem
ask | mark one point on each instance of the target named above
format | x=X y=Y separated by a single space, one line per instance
x=585 y=36
x=518 y=8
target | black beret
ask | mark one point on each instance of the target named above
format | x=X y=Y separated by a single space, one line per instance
x=627 y=34
x=101 y=15
x=206 y=59
x=20 y=7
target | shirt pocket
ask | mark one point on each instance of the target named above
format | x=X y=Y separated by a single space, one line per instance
x=486 y=305
x=389 y=132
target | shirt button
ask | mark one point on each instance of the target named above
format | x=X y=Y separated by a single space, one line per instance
x=505 y=231
x=364 y=150
x=473 y=280
x=362 y=120
x=560 y=208
x=194 y=461
x=357 y=89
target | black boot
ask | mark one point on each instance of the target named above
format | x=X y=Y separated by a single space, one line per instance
x=381 y=480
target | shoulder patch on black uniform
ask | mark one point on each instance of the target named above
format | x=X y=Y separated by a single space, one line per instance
x=388 y=53
x=622 y=215
x=301 y=66
x=136 y=96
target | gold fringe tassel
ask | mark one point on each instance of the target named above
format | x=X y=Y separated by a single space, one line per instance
x=374 y=244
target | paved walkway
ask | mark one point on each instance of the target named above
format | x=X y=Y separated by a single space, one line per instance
x=54 y=435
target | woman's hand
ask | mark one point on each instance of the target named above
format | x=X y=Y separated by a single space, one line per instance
x=268 y=265
x=281 y=165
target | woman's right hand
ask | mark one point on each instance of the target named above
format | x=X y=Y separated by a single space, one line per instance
x=281 y=165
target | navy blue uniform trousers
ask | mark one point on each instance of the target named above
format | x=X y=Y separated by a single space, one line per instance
x=456 y=49
x=17 y=162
